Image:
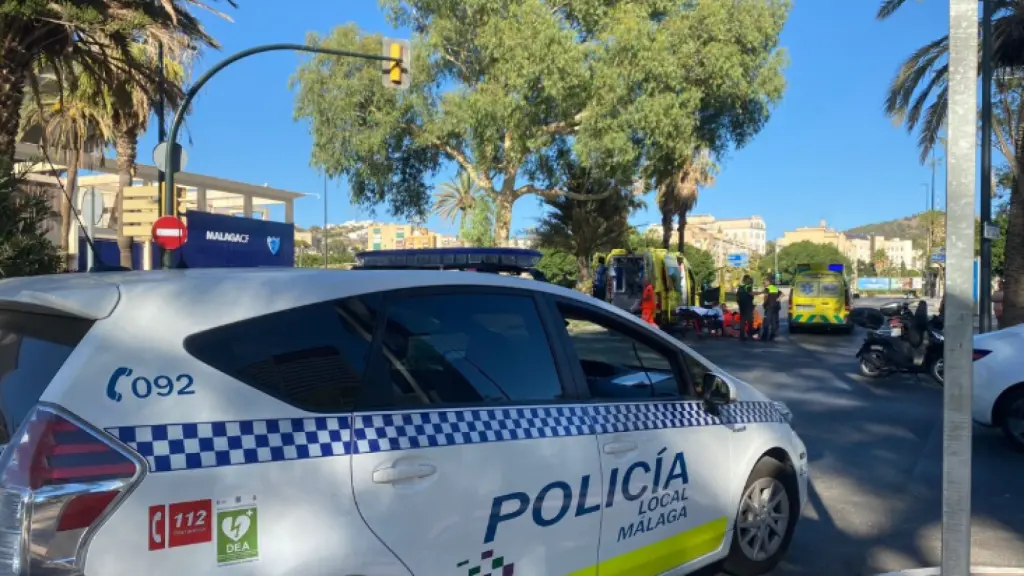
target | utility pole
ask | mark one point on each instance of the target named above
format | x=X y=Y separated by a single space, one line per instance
x=327 y=237
x=985 y=266
x=961 y=175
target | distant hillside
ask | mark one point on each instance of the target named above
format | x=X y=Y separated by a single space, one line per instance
x=910 y=228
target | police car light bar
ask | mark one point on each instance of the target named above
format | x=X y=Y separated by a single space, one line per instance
x=504 y=259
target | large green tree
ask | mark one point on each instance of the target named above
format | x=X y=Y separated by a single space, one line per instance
x=918 y=97
x=636 y=87
x=97 y=35
x=587 y=228
x=807 y=252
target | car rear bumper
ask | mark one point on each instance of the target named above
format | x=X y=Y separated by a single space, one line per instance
x=820 y=319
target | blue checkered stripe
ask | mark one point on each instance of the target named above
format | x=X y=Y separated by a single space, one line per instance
x=614 y=418
x=169 y=447
x=406 y=430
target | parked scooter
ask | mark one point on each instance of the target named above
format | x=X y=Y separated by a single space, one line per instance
x=887 y=351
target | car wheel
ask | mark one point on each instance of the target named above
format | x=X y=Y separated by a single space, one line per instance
x=871 y=364
x=1012 y=418
x=938 y=371
x=765 y=519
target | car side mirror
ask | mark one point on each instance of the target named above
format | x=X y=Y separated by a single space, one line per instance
x=716 y=392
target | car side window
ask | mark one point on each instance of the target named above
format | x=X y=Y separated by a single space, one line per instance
x=468 y=349
x=312 y=357
x=616 y=364
x=696 y=370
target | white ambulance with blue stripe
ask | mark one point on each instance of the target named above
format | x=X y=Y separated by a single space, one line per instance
x=373 y=422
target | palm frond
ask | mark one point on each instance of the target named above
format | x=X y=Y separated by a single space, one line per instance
x=889 y=7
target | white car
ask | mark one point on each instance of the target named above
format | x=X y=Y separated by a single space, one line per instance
x=999 y=382
x=313 y=422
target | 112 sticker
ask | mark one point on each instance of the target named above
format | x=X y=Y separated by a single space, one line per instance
x=180 y=524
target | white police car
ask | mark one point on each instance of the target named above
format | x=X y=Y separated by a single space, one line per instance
x=289 y=421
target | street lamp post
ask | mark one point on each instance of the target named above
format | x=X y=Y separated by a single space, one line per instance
x=961 y=174
x=190 y=94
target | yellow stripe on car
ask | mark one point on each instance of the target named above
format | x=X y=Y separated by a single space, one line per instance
x=663 y=555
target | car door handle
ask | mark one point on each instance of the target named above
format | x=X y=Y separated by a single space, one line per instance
x=619 y=447
x=393 y=474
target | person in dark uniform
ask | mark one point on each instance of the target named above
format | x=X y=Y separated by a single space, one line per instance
x=601 y=280
x=772 y=308
x=745 y=301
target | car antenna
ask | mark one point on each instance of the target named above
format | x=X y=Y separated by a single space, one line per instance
x=98 y=264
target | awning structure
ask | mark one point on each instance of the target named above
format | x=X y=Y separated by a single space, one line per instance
x=206 y=193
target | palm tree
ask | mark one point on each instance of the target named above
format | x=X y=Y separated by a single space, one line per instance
x=96 y=35
x=918 y=98
x=129 y=105
x=70 y=119
x=456 y=198
x=678 y=195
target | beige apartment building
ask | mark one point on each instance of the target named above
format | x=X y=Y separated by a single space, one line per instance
x=721 y=237
x=856 y=247
x=402 y=236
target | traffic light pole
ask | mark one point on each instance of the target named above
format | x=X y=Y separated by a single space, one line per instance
x=168 y=207
x=961 y=174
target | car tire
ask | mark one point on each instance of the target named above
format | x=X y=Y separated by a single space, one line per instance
x=1013 y=401
x=768 y=475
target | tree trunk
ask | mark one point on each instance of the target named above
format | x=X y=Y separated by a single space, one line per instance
x=125 y=143
x=681 y=233
x=584 y=283
x=1013 y=273
x=14 y=65
x=502 y=217
x=65 y=203
x=666 y=228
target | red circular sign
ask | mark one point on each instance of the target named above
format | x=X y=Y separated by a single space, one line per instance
x=169 y=232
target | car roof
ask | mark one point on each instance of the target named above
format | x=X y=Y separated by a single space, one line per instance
x=216 y=296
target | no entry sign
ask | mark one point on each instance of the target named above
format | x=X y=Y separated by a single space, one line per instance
x=169 y=232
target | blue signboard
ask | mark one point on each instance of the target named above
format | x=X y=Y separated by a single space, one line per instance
x=217 y=240
x=737 y=260
x=869 y=284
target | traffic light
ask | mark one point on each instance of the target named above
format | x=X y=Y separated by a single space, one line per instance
x=180 y=197
x=396 y=68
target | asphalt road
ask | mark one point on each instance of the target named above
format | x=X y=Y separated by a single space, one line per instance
x=875 y=450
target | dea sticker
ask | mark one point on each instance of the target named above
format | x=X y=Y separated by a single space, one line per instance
x=237 y=531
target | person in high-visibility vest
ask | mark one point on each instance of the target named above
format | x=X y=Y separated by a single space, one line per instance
x=772 y=307
x=648 y=304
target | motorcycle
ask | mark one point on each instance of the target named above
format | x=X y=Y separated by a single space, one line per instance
x=883 y=354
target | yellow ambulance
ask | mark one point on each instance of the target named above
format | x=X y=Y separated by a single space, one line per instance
x=820 y=298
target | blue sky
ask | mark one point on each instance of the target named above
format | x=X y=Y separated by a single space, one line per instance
x=828 y=151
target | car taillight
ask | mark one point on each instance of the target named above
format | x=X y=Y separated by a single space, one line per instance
x=979 y=354
x=57 y=480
